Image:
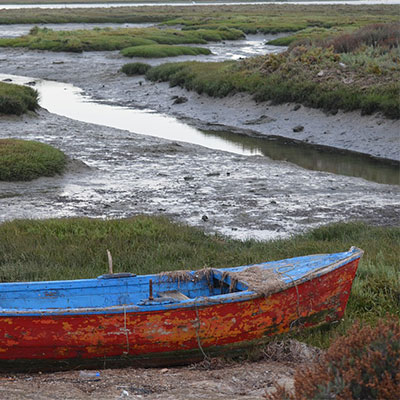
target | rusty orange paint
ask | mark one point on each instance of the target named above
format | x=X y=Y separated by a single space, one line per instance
x=176 y=331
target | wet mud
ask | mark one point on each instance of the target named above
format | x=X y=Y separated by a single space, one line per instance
x=118 y=174
x=126 y=174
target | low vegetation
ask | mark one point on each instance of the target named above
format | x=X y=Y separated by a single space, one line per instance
x=362 y=365
x=16 y=99
x=23 y=160
x=76 y=248
x=266 y=18
x=115 y=39
x=163 y=50
x=135 y=68
x=347 y=72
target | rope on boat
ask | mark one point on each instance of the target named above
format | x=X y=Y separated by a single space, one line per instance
x=126 y=334
x=197 y=329
x=278 y=271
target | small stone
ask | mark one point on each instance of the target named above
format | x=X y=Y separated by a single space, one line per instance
x=296 y=107
x=204 y=218
x=213 y=174
x=298 y=128
x=164 y=370
x=321 y=73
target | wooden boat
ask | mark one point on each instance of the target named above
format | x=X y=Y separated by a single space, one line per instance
x=171 y=318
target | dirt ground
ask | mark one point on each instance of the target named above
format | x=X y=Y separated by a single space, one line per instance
x=210 y=379
x=247 y=381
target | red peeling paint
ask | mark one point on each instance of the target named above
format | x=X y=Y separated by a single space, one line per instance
x=175 y=331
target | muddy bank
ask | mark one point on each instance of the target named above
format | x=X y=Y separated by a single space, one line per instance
x=126 y=174
x=98 y=74
x=131 y=174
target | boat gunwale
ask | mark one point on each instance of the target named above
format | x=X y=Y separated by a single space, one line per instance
x=202 y=301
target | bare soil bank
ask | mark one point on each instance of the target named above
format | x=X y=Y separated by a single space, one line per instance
x=98 y=74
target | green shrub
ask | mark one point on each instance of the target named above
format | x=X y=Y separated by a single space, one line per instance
x=22 y=160
x=304 y=74
x=363 y=365
x=136 y=68
x=375 y=35
x=160 y=50
x=16 y=99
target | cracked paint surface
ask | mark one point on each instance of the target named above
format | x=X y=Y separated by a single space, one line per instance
x=175 y=332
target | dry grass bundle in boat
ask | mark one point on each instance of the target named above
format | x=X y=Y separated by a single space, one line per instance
x=186 y=276
x=259 y=280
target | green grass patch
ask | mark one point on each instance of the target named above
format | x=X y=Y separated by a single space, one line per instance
x=366 y=79
x=107 y=39
x=163 y=50
x=268 y=18
x=23 y=160
x=16 y=99
x=135 y=68
x=76 y=248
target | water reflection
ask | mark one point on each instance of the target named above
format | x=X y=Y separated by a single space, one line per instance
x=319 y=158
x=70 y=101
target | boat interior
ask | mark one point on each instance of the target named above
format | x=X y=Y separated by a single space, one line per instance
x=115 y=291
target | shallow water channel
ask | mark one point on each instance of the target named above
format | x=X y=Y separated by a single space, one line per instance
x=69 y=101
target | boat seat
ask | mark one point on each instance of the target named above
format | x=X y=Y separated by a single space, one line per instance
x=172 y=294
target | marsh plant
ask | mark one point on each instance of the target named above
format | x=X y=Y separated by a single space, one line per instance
x=107 y=39
x=24 y=160
x=364 y=364
x=135 y=68
x=314 y=74
x=17 y=99
x=163 y=50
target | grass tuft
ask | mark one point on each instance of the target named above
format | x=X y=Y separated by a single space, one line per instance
x=163 y=50
x=108 y=39
x=16 y=99
x=22 y=160
x=136 y=68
